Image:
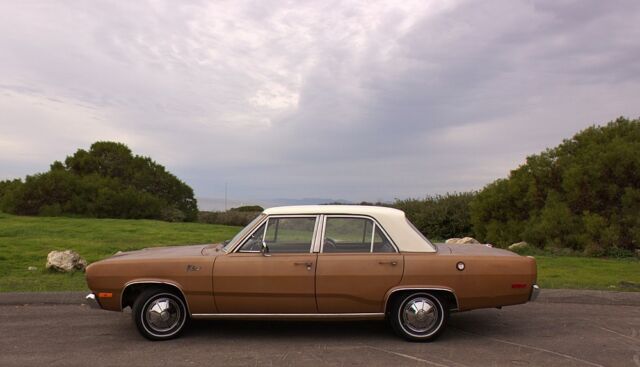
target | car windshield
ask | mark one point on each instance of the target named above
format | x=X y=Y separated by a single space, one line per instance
x=242 y=233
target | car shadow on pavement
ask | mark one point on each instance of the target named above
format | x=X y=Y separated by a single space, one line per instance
x=330 y=330
x=285 y=330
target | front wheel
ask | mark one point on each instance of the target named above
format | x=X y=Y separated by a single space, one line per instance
x=159 y=314
x=419 y=316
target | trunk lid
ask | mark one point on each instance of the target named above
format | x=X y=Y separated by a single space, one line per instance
x=472 y=249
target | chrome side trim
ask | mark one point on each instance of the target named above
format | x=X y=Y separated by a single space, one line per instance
x=126 y=285
x=535 y=292
x=389 y=294
x=289 y=316
x=92 y=301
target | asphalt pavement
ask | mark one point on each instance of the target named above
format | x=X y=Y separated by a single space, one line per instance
x=566 y=328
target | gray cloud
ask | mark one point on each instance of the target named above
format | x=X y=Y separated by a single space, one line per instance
x=354 y=100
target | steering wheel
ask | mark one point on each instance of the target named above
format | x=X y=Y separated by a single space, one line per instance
x=330 y=241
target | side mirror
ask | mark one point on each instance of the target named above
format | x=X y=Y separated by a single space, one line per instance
x=265 y=249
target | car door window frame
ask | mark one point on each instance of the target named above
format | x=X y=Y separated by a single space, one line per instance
x=266 y=227
x=323 y=228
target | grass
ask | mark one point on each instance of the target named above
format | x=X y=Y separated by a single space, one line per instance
x=589 y=273
x=26 y=241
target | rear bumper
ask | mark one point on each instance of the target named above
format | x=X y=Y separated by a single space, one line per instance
x=92 y=301
x=535 y=291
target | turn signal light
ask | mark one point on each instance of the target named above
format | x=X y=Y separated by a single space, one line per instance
x=105 y=295
x=519 y=285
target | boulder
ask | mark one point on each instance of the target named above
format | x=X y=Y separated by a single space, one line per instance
x=65 y=261
x=518 y=246
x=462 y=241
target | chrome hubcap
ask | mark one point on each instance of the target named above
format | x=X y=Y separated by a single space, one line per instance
x=163 y=314
x=420 y=314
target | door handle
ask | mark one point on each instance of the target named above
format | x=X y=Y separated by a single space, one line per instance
x=308 y=264
x=392 y=263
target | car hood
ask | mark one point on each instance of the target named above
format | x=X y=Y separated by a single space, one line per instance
x=171 y=252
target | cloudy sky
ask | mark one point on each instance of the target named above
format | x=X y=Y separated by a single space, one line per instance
x=356 y=100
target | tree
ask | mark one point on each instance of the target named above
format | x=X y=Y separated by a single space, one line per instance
x=583 y=194
x=105 y=181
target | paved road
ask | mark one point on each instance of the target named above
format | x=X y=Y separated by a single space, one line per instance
x=535 y=334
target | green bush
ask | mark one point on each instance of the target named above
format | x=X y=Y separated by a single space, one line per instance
x=440 y=217
x=248 y=208
x=230 y=217
x=107 y=181
x=583 y=195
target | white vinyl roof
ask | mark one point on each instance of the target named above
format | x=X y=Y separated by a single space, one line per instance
x=393 y=221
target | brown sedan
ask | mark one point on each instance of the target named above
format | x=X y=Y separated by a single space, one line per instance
x=313 y=262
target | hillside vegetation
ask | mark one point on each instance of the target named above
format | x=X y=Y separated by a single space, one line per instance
x=107 y=181
x=583 y=195
x=26 y=241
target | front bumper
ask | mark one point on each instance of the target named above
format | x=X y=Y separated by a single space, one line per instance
x=535 y=291
x=92 y=301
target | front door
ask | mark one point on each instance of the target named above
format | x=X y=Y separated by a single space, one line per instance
x=357 y=265
x=249 y=281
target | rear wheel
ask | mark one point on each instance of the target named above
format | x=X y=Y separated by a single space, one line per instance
x=159 y=314
x=419 y=316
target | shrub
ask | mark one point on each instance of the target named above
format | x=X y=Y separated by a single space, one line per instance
x=230 y=217
x=106 y=181
x=248 y=208
x=583 y=195
x=441 y=216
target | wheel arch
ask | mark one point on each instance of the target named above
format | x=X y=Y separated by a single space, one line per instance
x=447 y=293
x=133 y=288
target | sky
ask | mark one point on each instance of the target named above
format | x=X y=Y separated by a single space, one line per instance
x=341 y=100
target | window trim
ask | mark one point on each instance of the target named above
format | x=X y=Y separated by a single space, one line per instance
x=266 y=223
x=373 y=233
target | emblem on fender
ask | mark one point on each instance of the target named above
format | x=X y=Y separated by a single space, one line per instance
x=192 y=267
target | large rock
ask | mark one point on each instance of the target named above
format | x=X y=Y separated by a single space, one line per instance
x=65 y=261
x=518 y=246
x=462 y=241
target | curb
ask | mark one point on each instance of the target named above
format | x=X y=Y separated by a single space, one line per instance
x=586 y=297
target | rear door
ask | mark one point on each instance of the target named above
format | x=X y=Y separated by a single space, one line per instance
x=357 y=265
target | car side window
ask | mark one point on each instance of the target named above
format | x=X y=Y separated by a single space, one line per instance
x=350 y=234
x=290 y=235
x=347 y=235
x=254 y=242
x=381 y=243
